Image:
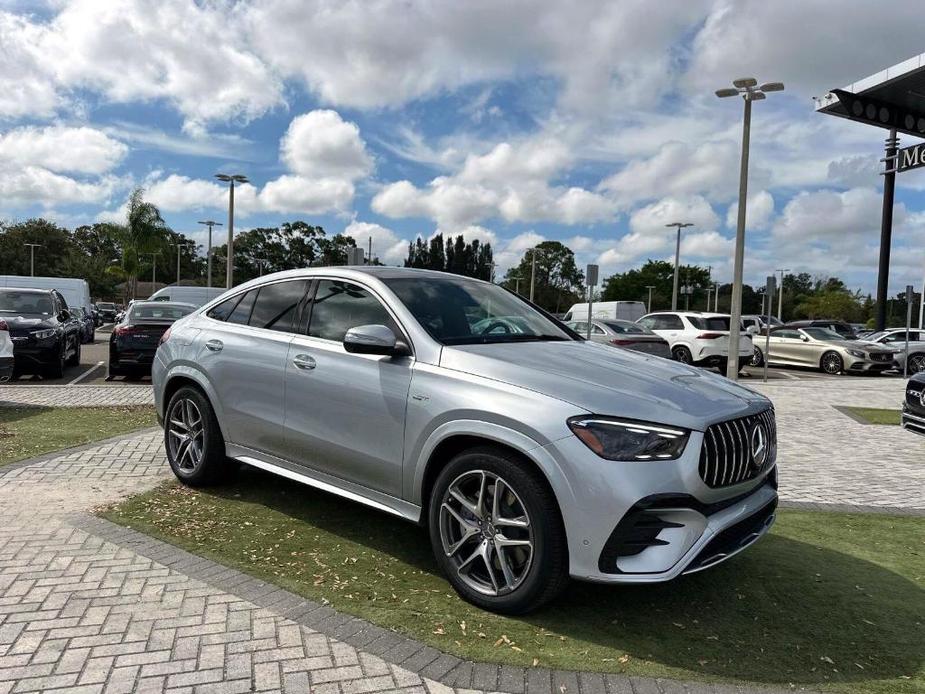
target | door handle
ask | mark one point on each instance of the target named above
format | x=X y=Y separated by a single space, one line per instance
x=304 y=362
x=214 y=345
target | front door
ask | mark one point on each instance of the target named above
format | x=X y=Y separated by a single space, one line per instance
x=345 y=413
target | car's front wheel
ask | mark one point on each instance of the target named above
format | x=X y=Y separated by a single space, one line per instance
x=497 y=533
x=194 y=443
x=757 y=358
x=832 y=363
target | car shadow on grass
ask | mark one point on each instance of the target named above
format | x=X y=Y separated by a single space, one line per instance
x=788 y=610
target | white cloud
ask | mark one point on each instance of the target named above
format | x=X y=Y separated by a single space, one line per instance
x=26 y=89
x=832 y=216
x=31 y=185
x=61 y=149
x=387 y=246
x=693 y=209
x=307 y=195
x=320 y=144
x=177 y=193
x=758 y=211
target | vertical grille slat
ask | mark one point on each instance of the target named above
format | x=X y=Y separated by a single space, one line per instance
x=726 y=457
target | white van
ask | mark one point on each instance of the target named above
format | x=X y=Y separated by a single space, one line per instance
x=623 y=310
x=76 y=292
x=197 y=296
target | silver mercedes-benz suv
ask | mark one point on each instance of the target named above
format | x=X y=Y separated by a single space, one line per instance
x=530 y=454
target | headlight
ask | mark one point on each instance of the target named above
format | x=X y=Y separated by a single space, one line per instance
x=627 y=439
x=43 y=334
x=855 y=353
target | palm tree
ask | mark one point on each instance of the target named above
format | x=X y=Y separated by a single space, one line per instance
x=144 y=231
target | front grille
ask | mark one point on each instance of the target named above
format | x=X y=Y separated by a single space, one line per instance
x=914 y=399
x=726 y=456
x=878 y=356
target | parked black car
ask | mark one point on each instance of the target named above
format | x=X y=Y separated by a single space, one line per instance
x=87 y=325
x=913 y=417
x=135 y=338
x=95 y=312
x=108 y=311
x=841 y=327
x=45 y=333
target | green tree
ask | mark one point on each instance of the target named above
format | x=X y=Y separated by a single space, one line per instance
x=143 y=235
x=632 y=285
x=54 y=259
x=558 y=281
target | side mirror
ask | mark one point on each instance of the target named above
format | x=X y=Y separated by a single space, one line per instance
x=804 y=338
x=374 y=339
x=64 y=316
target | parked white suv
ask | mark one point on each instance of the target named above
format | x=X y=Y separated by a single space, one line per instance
x=6 y=353
x=698 y=338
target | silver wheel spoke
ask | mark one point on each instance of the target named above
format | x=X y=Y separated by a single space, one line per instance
x=482 y=511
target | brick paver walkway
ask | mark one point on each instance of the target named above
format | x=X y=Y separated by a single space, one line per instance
x=75 y=396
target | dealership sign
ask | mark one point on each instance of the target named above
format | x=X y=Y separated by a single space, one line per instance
x=911 y=157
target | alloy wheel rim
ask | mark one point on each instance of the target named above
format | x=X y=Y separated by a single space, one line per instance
x=832 y=364
x=917 y=364
x=756 y=357
x=681 y=356
x=186 y=436
x=486 y=532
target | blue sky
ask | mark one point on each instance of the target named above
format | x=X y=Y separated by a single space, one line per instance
x=593 y=124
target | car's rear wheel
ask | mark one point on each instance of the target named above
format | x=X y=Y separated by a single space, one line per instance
x=831 y=363
x=194 y=443
x=757 y=358
x=497 y=533
x=916 y=363
x=56 y=368
x=682 y=354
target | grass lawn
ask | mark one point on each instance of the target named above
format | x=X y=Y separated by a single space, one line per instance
x=26 y=432
x=827 y=601
x=872 y=415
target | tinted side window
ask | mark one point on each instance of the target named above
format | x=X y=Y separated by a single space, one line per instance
x=224 y=309
x=668 y=322
x=647 y=322
x=277 y=304
x=242 y=312
x=339 y=306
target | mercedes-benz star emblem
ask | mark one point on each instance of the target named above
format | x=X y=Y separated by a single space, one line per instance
x=759 y=445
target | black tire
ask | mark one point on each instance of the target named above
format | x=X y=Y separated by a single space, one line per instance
x=831 y=363
x=74 y=360
x=547 y=572
x=213 y=467
x=682 y=354
x=916 y=363
x=55 y=370
x=757 y=358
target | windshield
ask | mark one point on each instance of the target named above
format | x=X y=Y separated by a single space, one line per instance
x=105 y=305
x=823 y=334
x=458 y=311
x=624 y=326
x=159 y=312
x=710 y=322
x=14 y=301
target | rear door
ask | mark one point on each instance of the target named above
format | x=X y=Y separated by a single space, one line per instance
x=243 y=349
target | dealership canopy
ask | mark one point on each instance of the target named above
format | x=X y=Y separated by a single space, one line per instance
x=893 y=99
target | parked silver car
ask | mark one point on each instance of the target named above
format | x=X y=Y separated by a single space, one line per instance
x=529 y=454
x=823 y=349
x=895 y=338
x=625 y=334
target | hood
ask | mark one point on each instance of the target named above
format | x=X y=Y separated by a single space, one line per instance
x=27 y=322
x=867 y=346
x=607 y=380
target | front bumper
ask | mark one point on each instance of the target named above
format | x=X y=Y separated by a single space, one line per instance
x=686 y=526
x=913 y=422
x=867 y=366
x=33 y=353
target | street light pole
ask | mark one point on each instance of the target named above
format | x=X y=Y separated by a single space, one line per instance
x=179 y=246
x=210 y=224
x=533 y=252
x=780 y=299
x=749 y=90
x=32 y=247
x=650 y=287
x=231 y=179
x=153 y=271
x=677 y=260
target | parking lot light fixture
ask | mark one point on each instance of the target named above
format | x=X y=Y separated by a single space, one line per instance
x=231 y=179
x=210 y=224
x=677 y=260
x=748 y=89
x=650 y=287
